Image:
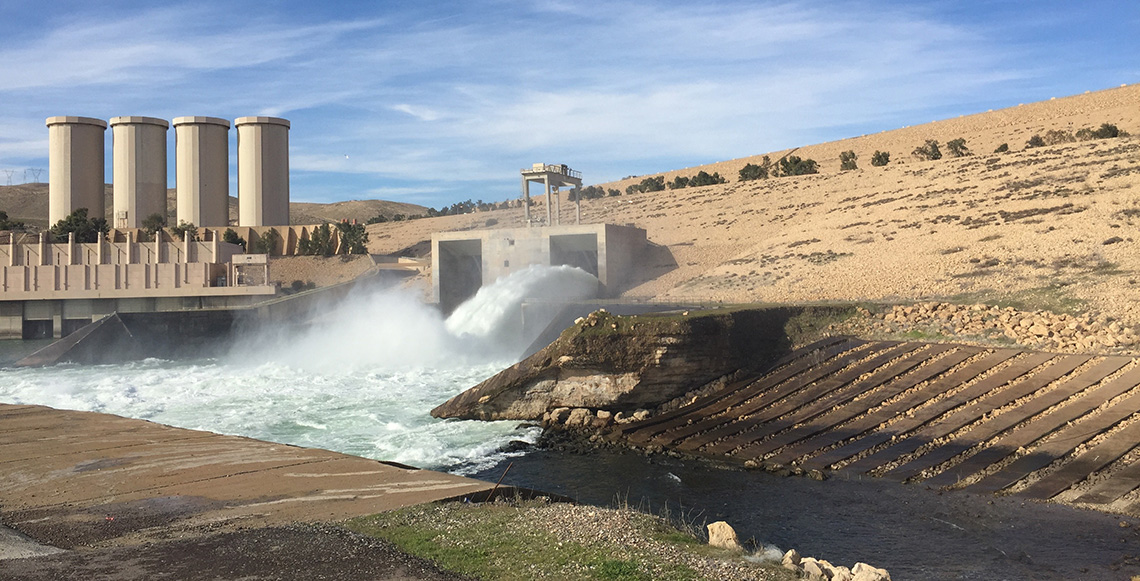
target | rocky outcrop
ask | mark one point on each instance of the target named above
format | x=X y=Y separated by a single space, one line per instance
x=620 y=365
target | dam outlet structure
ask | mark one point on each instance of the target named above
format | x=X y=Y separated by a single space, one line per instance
x=75 y=166
x=138 y=169
x=263 y=171
x=462 y=262
x=202 y=170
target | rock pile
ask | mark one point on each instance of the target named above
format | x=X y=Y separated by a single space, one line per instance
x=820 y=570
x=586 y=419
x=1036 y=329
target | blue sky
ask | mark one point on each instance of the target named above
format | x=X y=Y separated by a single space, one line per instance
x=436 y=102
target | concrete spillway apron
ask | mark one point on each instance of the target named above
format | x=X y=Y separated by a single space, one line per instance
x=71 y=479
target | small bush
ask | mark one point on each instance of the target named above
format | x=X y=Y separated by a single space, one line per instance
x=184 y=229
x=1055 y=136
x=704 y=179
x=957 y=147
x=847 y=161
x=678 y=183
x=756 y=172
x=613 y=192
x=880 y=158
x=1002 y=148
x=1035 y=141
x=232 y=237
x=794 y=166
x=928 y=151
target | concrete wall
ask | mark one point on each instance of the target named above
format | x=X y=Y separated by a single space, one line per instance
x=75 y=166
x=464 y=261
x=202 y=170
x=263 y=171
x=139 y=169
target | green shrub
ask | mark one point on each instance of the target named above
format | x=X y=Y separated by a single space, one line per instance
x=232 y=237
x=753 y=172
x=267 y=242
x=1002 y=148
x=1055 y=136
x=613 y=192
x=792 y=165
x=847 y=161
x=704 y=179
x=880 y=158
x=928 y=151
x=957 y=147
x=86 y=229
x=1035 y=141
x=184 y=229
x=6 y=224
x=679 y=182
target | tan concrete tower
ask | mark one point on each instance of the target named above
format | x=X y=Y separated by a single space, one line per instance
x=263 y=171
x=75 y=166
x=138 y=152
x=202 y=170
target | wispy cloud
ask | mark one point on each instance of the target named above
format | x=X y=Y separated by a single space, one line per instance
x=465 y=94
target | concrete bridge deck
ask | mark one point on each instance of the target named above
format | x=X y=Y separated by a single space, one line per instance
x=72 y=479
x=1040 y=425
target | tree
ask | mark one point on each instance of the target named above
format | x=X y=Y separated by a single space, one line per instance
x=847 y=161
x=678 y=183
x=6 y=224
x=267 y=242
x=381 y=218
x=319 y=242
x=353 y=238
x=957 y=147
x=1035 y=141
x=928 y=151
x=232 y=237
x=184 y=228
x=794 y=166
x=880 y=158
x=86 y=229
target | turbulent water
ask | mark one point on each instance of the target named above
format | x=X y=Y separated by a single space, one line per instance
x=360 y=381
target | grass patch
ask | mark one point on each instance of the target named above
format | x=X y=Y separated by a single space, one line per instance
x=539 y=540
x=1053 y=298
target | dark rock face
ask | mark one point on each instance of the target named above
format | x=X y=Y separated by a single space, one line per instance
x=622 y=364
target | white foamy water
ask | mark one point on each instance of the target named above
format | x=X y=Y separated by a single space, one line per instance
x=362 y=381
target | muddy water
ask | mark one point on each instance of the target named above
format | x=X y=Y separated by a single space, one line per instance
x=915 y=533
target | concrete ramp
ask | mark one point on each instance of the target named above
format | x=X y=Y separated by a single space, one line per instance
x=73 y=479
x=1039 y=425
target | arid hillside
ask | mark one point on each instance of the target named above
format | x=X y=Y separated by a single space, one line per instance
x=1049 y=227
x=28 y=203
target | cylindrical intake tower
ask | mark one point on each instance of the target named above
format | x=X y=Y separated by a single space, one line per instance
x=263 y=171
x=202 y=170
x=75 y=166
x=138 y=148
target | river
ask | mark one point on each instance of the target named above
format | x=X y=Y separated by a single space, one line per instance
x=363 y=381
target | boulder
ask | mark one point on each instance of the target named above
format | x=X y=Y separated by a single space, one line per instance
x=721 y=534
x=865 y=572
x=792 y=560
x=813 y=569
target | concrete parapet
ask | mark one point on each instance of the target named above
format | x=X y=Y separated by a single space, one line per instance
x=263 y=171
x=202 y=174
x=75 y=166
x=139 y=169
